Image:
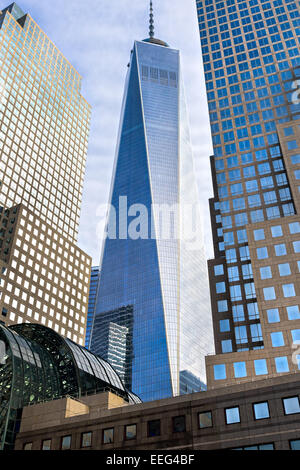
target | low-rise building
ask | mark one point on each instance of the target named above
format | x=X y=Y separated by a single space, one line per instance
x=261 y=415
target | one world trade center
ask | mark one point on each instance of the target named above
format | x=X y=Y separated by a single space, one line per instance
x=152 y=317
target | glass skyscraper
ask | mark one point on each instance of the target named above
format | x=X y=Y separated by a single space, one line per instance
x=153 y=287
x=94 y=283
x=251 y=63
x=44 y=125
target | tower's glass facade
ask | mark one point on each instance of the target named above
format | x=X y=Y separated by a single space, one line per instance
x=44 y=125
x=158 y=278
x=94 y=283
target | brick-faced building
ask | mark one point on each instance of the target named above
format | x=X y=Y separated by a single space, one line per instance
x=259 y=415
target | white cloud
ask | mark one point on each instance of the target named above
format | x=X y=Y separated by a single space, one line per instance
x=96 y=36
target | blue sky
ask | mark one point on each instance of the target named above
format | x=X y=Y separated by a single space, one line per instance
x=96 y=36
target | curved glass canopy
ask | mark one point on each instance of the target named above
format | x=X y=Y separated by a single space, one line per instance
x=39 y=365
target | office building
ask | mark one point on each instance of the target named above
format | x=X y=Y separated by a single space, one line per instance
x=252 y=416
x=39 y=366
x=251 y=63
x=45 y=277
x=94 y=283
x=44 y=126
x=148 y=265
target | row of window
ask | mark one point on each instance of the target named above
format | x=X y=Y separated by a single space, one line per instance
x=260 y=365
x=280 y=250
x=205 y=421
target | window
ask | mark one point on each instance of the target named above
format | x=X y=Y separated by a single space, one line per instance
x=220 y=288
x=130 y=432
x=219 y=270
x=179 y=424
x=260 y=366
x=232 y=415
x=238 y=313
x=296 y=246
x=256 y=332
x=296 y=336
x=240 y=370
x=277 y=339
x=226 y=346
x=253 y=312
x=289 y=290
x=261 y=410
x=86 y=439
x=291 y=405
x=27 y=446
x=269 y=293
x=262 y=253
x=241 y=334
x=293 y=312
x=284 y=269
x=295 y=445
x=46 y=444
x=280 y=250
x=266 y=272
x=257 y=447
x=282 y=364
x=222 y=306
x=205 y=420
x=235 y=293
x=294 y=227
x=273 y=315
x=108 y=436
x=224 y=326
x=220 y=372
x=276 y=231
x=292 y=145
x=66 y=442
x=154 y=428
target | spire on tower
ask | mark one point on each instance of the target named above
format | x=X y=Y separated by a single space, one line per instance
x=151 y=25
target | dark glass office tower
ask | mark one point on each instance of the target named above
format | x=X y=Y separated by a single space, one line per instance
x=252 y=66
x=94 y=283
x=154 y=288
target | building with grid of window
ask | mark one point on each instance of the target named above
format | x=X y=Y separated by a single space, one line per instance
x=251 y=63
x=44 y=126
x=255 y=416
x=45 y=277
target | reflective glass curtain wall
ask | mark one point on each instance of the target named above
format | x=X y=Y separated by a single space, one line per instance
x=159 y=279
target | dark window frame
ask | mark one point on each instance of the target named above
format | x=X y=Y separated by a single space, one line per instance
x=293 y=440
x=244 y=448
x=177 y=417
x=287 y=398
x=61 y=441
x=81 y=440
x=260 y=403
x=232 y=408
x=130 y=438
x=203 y=413
x=148 y=426
x=108 y=429
x=44 y=440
